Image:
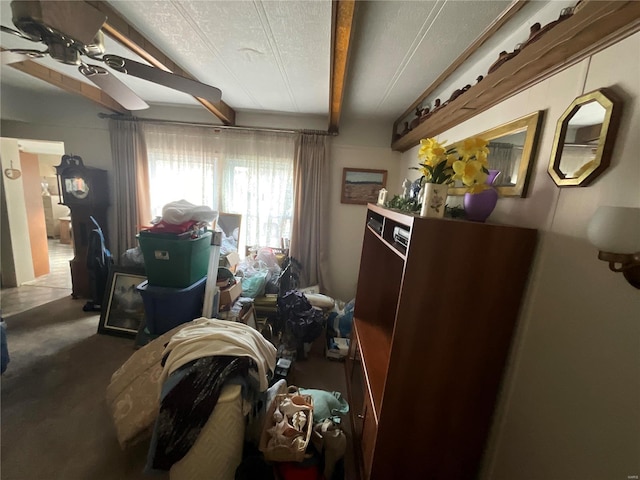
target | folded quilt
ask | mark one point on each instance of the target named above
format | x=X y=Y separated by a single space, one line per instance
x=133 y=393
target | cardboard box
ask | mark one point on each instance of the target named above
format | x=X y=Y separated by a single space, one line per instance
x=229 y=295
x=248 y=316
x=230 y=261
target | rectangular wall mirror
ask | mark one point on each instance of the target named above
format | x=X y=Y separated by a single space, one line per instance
x=512 y=149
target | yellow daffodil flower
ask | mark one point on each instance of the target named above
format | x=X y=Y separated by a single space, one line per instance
x=473 y=146
x=466 y=161
x=482 y=158
x=469 y=172
x=430 y=148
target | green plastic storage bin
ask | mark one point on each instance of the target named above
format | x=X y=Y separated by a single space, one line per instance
x=175 y=263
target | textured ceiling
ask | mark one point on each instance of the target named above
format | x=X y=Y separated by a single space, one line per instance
x=270 y=55
x=275 y=56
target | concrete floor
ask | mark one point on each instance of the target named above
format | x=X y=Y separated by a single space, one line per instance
x=44 y=289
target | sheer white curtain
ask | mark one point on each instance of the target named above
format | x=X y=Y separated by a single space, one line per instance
x=232 y=171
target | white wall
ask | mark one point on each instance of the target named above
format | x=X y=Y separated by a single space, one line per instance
x=570 y=406
x=17 y=266
x=361 y=144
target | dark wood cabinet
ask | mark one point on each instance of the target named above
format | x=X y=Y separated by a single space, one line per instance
x=433 y=322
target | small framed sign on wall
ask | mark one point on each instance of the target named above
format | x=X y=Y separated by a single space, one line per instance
x=362 y=185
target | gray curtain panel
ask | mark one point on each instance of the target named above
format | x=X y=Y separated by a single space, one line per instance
x=309 y=239
x=130 y=184
x=501 y=159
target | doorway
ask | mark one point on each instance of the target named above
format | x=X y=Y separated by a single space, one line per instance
x=47 y=283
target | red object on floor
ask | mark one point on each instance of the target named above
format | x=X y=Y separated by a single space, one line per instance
x=295 y=471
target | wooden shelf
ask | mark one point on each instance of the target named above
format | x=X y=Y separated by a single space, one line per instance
x=395 y=248
x=375 y=345
x=592 y=28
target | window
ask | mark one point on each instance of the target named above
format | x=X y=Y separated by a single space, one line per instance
x=250 y=173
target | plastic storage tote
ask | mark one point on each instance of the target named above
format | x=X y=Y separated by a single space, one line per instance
x=174 y=263
x=166 y=308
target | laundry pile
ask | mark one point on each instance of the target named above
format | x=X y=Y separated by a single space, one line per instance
x=182 y=217
x=197 y=362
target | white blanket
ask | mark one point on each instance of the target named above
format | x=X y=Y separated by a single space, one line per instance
x=182 y=211
x=207 y=337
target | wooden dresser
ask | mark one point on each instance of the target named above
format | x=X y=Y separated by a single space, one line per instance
x=433 y=323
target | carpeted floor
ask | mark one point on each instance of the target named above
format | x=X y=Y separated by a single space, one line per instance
x=55 y=423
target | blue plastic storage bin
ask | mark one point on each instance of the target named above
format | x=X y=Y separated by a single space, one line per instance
x=166 y=308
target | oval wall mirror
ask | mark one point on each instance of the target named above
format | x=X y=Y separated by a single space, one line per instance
x=584 y=139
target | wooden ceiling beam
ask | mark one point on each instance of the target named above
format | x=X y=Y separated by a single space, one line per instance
x=120 y=30
x=69 y=84
x=342 y=15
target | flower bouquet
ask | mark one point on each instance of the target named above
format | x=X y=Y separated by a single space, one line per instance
x=441 y=165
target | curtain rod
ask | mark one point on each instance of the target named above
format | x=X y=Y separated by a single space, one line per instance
x=128 y=118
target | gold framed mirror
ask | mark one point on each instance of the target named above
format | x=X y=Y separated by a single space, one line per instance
x=512 y=148
x=584 y=139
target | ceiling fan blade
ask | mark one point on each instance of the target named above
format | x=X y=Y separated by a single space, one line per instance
x=7 y=57
x=113 y=87
x=14 y=56
x=171 y=80
x=15 y=32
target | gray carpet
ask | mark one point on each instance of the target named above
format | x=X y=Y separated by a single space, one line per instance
x=55 y=423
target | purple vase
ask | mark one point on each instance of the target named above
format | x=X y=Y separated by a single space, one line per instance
x=478 y=206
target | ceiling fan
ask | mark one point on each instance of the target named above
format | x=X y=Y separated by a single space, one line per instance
x=71 y=30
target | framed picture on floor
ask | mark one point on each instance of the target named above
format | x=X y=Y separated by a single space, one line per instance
x=361 y=185
x=122 y=308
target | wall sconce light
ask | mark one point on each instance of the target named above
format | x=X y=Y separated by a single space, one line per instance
x=615 y=231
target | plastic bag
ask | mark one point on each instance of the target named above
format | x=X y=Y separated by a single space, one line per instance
x=254 y=285
x=340 y=322
x=326 y=404
x=301 y=320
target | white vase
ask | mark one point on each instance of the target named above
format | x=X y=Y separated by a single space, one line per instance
x=434 y=198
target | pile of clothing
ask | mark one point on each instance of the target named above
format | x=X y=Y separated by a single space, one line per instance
x=181 y=217
x=201 y=393
x=170 y=387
